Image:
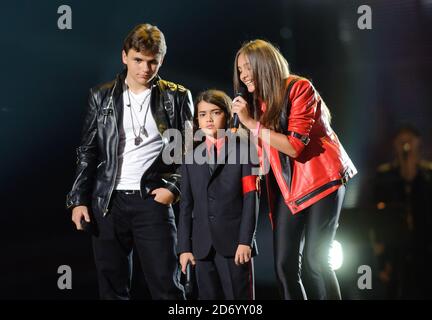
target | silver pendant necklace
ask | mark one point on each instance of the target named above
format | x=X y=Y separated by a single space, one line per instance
x=142 y=130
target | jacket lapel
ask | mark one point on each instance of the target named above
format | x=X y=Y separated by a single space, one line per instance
x=203 y=172
x=221 y=162
x=117 y=96
x=157 y=105
x=156 y=101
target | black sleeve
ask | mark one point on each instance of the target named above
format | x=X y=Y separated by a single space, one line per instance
x=184 y=234
x=86 y=159
x=249 y=213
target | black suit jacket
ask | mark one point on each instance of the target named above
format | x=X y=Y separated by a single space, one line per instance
x=214 y=210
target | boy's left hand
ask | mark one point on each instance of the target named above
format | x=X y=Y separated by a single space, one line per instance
x=243 y=254
x=163 y=195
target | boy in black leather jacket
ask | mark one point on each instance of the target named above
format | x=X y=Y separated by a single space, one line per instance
x=122 y=185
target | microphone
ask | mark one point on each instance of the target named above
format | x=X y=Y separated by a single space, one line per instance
x=406 y=148
x=188 y=283
x=236 y=122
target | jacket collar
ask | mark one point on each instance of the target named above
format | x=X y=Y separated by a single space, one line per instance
x=157 y=100
x=227 y=148
x=117 y=88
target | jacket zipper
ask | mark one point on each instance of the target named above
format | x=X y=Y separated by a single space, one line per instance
x=116 y=150
x=317 y=191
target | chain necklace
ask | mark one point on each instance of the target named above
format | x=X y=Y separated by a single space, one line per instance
x=141 y=130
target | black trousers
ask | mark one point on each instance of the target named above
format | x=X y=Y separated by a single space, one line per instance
x=301 y=245
x=147 y=226
x=219 y=278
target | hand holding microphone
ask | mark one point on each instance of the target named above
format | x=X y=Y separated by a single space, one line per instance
x=187 y=260
x=239 y=106
x=188 y=283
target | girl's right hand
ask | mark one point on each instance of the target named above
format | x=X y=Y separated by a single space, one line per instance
x=185 y=257
x=240 y=106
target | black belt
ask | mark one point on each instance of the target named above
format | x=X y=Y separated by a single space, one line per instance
x=128 y=192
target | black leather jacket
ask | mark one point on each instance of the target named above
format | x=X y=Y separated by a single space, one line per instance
x=97 y=155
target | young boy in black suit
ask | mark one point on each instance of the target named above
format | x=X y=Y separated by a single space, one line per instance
x=217 y=221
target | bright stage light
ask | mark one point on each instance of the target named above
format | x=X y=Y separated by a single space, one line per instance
x=336 y=255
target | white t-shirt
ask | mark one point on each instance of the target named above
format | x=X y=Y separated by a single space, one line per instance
x=133 y=159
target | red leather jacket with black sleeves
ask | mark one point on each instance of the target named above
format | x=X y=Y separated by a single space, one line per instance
x=321 y=164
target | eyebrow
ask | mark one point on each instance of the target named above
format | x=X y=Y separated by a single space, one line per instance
x=244 y=65
x=218 y=109
x=154 y=60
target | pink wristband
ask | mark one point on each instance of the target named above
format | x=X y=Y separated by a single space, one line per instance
x=255 y=131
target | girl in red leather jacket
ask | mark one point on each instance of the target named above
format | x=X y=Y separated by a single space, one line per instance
x=307 y=168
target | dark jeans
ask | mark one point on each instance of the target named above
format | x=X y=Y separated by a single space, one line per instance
x=304 y=239
x=149 y=227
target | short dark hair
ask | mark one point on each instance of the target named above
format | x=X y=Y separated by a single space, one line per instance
x=147 y=38
x=216 y=97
